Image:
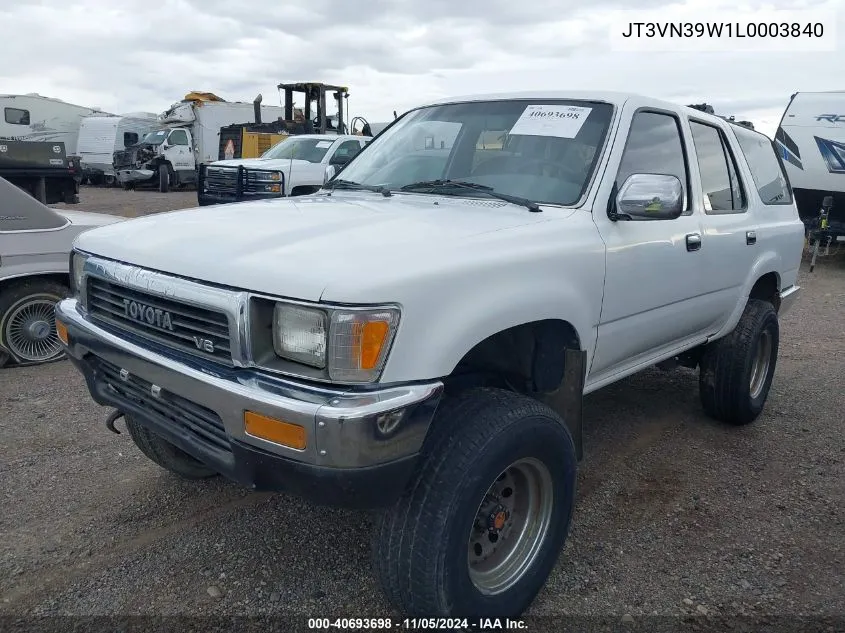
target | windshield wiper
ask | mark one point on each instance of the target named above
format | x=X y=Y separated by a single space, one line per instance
x=348 y=184
x=461 y=184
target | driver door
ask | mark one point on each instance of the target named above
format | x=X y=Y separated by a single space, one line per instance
x=654 y=281
x=179 y=152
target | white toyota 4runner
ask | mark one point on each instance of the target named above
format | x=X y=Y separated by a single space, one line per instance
x=418 y=335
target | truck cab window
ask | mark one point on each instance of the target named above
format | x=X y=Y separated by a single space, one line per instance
x=16 y=116
x=178 y=137
x=129 y=138
x=654 y=146
x=347 y=150
x=719 y=178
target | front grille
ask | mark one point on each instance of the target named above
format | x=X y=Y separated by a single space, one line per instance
x=224 y=180
x=203 y=424
x=174 y=324
x=221 y=179
x=122 y=159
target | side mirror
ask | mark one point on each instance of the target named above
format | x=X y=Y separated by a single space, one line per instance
x=338 y=160
x=650 y=197
x=331 y=170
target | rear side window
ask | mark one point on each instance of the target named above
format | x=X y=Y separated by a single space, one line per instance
x=766 y=168
x=719 y=179
x=16 y=116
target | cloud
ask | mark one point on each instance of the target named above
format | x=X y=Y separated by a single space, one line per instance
x=393 y=54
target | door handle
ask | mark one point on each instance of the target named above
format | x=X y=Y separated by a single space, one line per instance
x=751 y=237
x=693 y=242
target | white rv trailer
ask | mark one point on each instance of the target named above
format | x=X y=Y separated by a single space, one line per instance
x=31 y=117
x=101 y=136
x=811 y=142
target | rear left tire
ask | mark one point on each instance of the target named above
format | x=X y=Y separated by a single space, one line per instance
x=737 y=370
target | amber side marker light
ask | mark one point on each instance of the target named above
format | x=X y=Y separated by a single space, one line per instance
x=61 y=331
x=372 y=337
x=276 y=431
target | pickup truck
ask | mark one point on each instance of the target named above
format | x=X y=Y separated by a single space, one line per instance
x=418 y=336
x=295 y=166
x=42 y=169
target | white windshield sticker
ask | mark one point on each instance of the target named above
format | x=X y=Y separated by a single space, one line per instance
x=551 y=120
x=322 y=144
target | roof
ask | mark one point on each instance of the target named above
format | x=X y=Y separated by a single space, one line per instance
x=608 y=96
x=592 y=95
x=309 y=85
x=325 y=137
x=33 y=95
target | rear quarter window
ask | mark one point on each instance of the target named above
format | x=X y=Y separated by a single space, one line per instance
x=766 y=168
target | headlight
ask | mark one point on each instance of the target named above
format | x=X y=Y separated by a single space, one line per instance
x=352 y=345
x=77 y=264
x=299 y=334
x=265 y=176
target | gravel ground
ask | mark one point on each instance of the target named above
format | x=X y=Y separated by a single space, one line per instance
x=131 y=204
x=676 y=514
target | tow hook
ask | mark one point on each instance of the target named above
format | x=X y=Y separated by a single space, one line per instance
x=114 y=416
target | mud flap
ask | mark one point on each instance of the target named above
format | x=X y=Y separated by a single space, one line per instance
x=567 y=400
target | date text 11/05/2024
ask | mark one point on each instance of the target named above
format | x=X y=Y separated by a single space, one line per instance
x=723 y=29
x=416 y=624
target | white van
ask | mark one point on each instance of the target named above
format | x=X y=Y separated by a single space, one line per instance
x=811 y=144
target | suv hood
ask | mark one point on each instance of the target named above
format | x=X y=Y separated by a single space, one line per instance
x=261 y=163
x=295 y=247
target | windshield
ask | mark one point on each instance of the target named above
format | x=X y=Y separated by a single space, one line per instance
x=543 y=150
x=310 y=149
x=155 y=138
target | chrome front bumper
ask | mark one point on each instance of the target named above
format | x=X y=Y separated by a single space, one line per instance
x=346 y=430
x=125 y=176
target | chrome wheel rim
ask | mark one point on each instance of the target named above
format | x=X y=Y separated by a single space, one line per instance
x=510 y=526
x=30 y=332
x=760 y=368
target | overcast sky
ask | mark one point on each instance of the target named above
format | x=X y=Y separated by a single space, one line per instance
x=392 y=54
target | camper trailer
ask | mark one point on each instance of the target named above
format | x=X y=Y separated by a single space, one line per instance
x=101 y=136
x=32 y=117
x=811 y=144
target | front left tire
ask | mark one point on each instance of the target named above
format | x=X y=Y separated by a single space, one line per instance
x=481 y=526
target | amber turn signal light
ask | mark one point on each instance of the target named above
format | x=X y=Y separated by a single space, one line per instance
x=276 y=431
x=61 y=331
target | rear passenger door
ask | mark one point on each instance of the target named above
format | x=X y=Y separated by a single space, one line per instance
x=729 y=240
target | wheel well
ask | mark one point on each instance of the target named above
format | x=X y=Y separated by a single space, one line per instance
x=304 y=190
x=767 y=289
x=61 y=278
x=527 y=358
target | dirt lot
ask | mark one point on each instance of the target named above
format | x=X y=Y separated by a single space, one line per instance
x=676 y=514
x=131 y=203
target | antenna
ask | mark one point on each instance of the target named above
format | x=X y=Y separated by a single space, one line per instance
x=290 y=169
